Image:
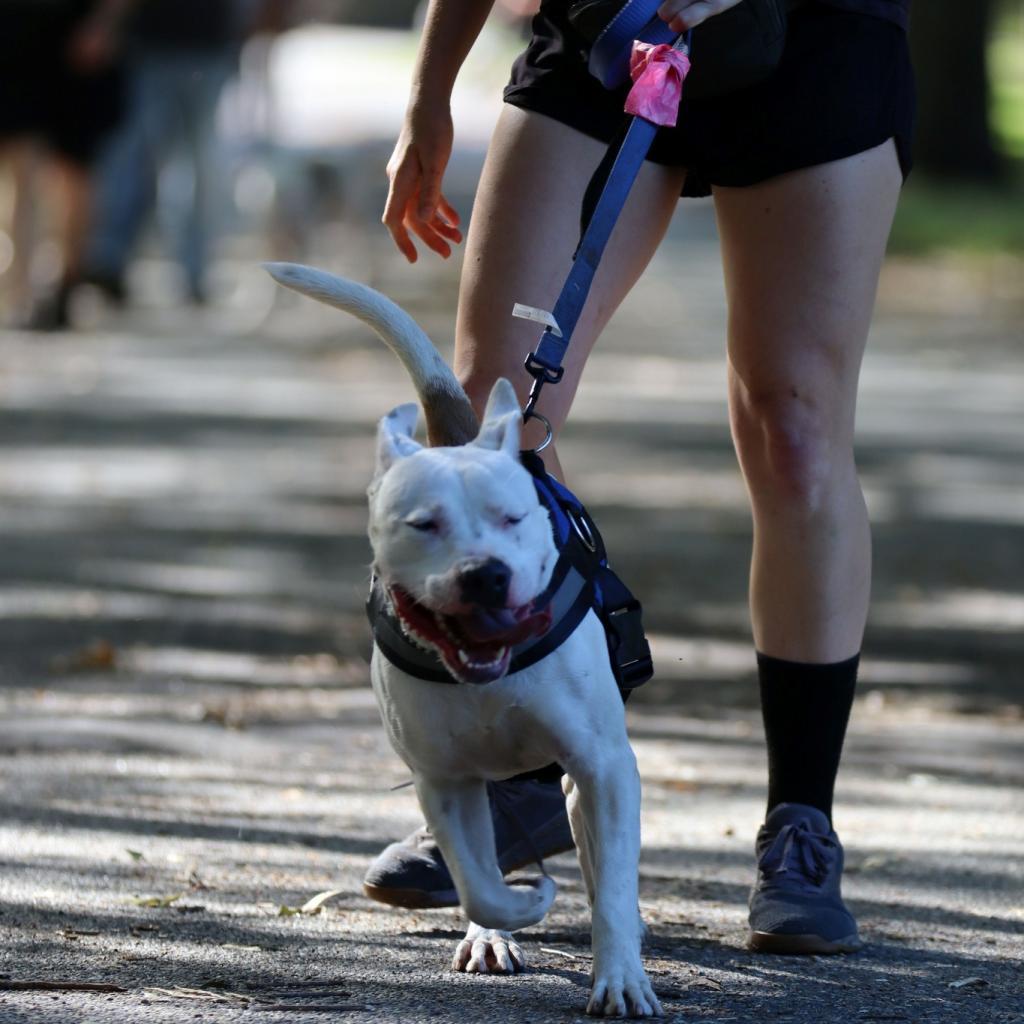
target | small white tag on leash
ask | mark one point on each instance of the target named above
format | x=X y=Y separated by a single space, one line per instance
x=540 y=316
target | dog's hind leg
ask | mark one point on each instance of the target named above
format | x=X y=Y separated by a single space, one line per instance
x=459 y=817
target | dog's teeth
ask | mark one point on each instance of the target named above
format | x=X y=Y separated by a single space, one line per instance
x=483 y=665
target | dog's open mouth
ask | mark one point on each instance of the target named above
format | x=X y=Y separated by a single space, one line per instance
x=476 y=647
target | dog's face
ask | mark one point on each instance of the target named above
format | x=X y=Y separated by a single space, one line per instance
x=460 y=540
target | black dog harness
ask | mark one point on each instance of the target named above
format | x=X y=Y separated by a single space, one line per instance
x=581 y=581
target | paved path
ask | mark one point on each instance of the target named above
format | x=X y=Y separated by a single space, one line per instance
x=185 y=712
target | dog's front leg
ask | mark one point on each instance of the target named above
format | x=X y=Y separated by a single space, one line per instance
x=605 y=813
x=459 y=817
x=488 y=950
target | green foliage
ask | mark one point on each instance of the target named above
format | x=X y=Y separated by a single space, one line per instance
x=947 y=216
x=1006 y=68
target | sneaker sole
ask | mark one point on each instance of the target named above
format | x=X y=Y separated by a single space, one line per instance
x=422 y=899
x=412 y=899
x=789 y=945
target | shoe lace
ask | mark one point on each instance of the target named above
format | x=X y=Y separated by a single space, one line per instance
x=798 y=856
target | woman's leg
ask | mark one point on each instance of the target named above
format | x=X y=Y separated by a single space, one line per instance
x=802 y=255
x=76 y=189
x=522 y=235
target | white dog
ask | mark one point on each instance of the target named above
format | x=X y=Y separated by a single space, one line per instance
x=462 y=546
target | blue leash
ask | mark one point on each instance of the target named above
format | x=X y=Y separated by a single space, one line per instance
x=609 y=62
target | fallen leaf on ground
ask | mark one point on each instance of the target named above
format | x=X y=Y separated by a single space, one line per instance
x=180 y=992
x=311 y=906
x=156 y=901
x=314 y=905
x=968 y=983
x=708 y=983
x=99 y=656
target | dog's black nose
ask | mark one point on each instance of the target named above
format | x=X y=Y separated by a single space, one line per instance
x=486 y=584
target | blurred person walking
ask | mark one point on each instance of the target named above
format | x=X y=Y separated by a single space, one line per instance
x=181 y=54
x=60 y=96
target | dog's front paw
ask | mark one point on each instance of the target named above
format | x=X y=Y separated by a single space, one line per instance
x=488 y=951
x=621 y=989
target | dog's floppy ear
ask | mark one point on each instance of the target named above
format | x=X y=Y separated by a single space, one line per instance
x=503 y=420
x=394 y=436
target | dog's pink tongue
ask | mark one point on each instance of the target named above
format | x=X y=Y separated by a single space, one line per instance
x=506 y=626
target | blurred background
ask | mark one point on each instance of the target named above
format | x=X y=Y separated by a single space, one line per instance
x=145 y=144
x=179 y=434
x=176 y=430
x=184 y=452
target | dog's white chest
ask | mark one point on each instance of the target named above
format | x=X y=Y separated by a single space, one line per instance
x=556 y=709
x=492 y=732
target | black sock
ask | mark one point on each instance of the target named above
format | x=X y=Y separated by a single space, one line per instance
x=805 y=708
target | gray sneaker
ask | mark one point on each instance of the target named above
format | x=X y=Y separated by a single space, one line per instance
x=529 y=823
x=796 y=905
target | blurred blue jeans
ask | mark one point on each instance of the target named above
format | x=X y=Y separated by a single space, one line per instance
x=166 y=150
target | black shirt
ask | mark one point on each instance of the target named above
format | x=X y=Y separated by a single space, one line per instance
x=184 y=24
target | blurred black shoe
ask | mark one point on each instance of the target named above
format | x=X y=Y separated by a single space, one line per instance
x=110 y=285
x=52 y=312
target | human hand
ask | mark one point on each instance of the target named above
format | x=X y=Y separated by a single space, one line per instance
x=682 y=15
x=415 y=202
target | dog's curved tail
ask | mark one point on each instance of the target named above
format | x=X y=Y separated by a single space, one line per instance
x=450 y=417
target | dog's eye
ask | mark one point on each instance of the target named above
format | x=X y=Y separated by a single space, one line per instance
x=424 y=525
x=514 y=520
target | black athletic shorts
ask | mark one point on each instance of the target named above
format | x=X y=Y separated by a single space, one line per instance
x=844 y=86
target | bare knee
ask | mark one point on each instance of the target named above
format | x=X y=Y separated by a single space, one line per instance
x=792 y=446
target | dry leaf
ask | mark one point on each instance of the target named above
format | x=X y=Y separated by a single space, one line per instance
x=314 y=905
x=968 y=983
x=156 y=901
x=99 y=656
